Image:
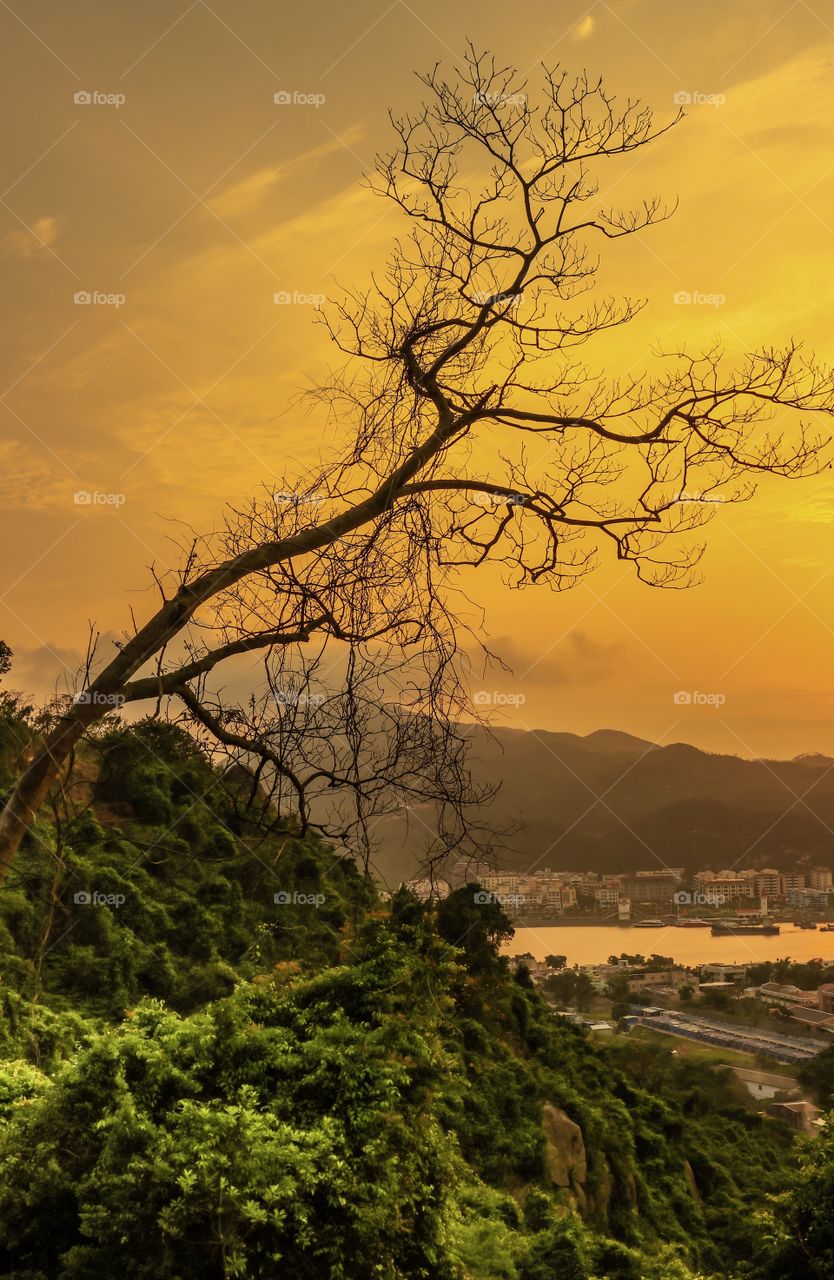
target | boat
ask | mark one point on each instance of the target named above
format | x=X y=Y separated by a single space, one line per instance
x=734 y=928
x=827 y=928
x=648 y=924
x=692 y=924
x=804 y=924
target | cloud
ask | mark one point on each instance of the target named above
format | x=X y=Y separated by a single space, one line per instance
x=43 y=670
x=30 y=481
x=576 y=658
x=249 y=193
x=584 y=29
x=28 y=243
x=52 y=667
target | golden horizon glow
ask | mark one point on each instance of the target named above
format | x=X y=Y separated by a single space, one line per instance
x=198 y=198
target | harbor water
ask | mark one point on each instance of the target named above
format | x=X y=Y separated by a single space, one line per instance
x=593 y=944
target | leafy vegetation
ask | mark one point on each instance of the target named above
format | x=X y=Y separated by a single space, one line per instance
x=197 y=1080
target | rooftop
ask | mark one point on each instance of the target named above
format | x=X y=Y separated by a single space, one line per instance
x=764 y=1077
x=815 y=1018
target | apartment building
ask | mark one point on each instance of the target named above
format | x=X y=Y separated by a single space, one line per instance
x=649 y=886
x=820 y=878
x=502 y=882
x=767 y=883
x=722 y=887
x=528 y=892
x=553 y=894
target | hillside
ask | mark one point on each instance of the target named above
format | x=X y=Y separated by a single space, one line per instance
x=611 y=802
x=197 y=1080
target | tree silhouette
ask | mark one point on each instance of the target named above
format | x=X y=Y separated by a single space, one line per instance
x=475 y=435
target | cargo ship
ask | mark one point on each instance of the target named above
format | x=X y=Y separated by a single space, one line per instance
x=732 y=928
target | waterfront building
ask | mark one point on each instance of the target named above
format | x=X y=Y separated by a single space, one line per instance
x=767 y=884
x=649 y=886
x=808 y=899
x=607 y=895
x=722 y=887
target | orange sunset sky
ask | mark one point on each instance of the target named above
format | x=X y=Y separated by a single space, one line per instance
x=197 y=198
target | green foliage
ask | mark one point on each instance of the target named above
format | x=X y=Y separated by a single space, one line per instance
x=278 y=1126
x=196 y=1081
x=805 y=974
x=796 y=1232
x=569 y=987
x=180 y=884
x=473 y=920
x=818 y=1075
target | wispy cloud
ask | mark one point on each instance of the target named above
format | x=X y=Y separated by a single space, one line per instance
x=33 y=242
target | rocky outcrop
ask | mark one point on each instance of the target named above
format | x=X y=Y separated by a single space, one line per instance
x=690 y=1178
x=567 y=1162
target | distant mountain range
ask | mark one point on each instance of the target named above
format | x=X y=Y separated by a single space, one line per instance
x=611 y=802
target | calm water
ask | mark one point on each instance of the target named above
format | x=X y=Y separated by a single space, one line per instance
x=595 y=943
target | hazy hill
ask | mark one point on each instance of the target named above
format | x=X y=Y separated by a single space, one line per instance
x=610 y=802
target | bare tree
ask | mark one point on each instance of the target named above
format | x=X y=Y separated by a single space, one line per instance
x=476 y=434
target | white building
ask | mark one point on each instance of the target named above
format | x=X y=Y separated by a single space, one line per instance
x=763 y=1084
x=719 y=888
x=607 y=895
